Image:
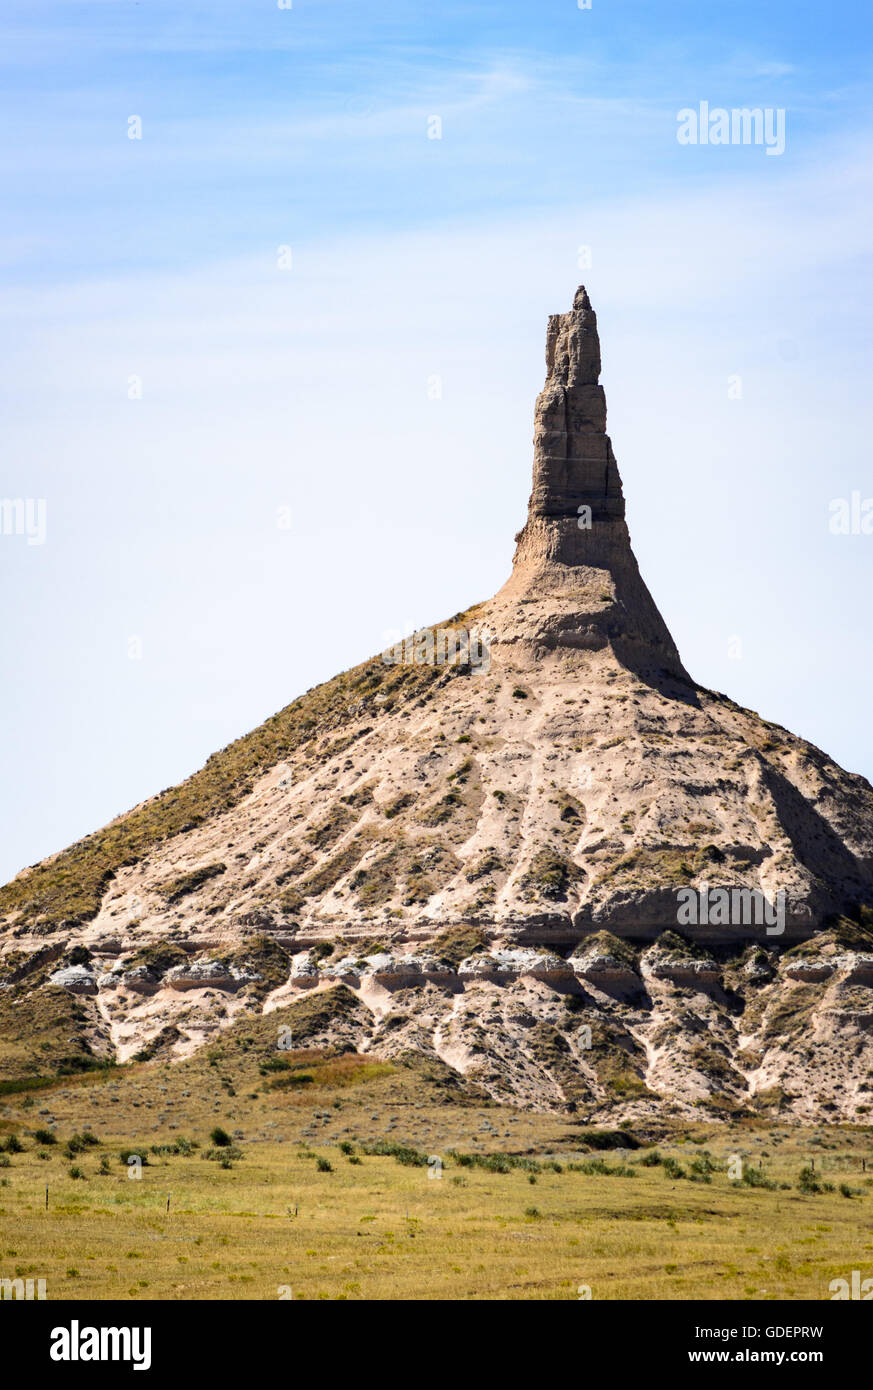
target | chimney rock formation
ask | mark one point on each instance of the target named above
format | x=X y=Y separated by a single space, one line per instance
x=488 y=839
x=575 y=550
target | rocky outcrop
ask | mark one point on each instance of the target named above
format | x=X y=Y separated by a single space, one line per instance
x=76 y=978
x=575 y=544
x=809 y=970
x=513 y=964
x=606 y=962
x=209 y=974
x=305 y=973
x=681 y=969
x=858 y=968
x=140 y=978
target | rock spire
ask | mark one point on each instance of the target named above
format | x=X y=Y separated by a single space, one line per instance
x=574 y=551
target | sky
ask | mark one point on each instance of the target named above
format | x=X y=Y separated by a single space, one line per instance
x=267 y=371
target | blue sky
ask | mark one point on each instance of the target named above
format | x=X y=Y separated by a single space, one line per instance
x=306 y=388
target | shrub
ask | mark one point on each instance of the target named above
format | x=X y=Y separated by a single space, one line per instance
x=495 y=1163
x=77 y=1143
x=808 y=1183
x=609 y=1139
x=45 y=1136
x=596 y=1167
x=756 y=1177
x=410 y=1158
x=274 y=1064
x=703 y=1165
x=13 y=1145
x=76 y=1172
x=220 y=1137
x=672 y=1169
x=322 y=1165
x=297 y=1078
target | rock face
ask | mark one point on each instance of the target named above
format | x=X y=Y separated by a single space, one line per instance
x=208 y=974
x=516 y=840
x=78 y=979
x=514 y=965
x=575 y=545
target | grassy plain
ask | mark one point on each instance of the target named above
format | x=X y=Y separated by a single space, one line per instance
x=264 y=1217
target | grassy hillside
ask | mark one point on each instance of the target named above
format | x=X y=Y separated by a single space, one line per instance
x=68 y=887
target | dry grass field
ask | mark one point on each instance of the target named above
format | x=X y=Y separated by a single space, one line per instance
x=297 y=1204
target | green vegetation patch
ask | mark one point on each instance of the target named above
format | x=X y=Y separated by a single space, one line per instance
x=267 y=959
x=318 y=1012
x=43 y=1033
x=488 y=863
x=328 y=874
x=549 y=875
x=450 y=1086
x=161 y=1044
x=842 y=932
x=409 y=1157
x=654 y=867
x=444 y=809
x=160 y=957
x=617 y=1059
x=455 y=944
x=671 y=947
x=608 y=1139
x=415 y=869
x=176 y=888
x=604 y=943
x=331 y=828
